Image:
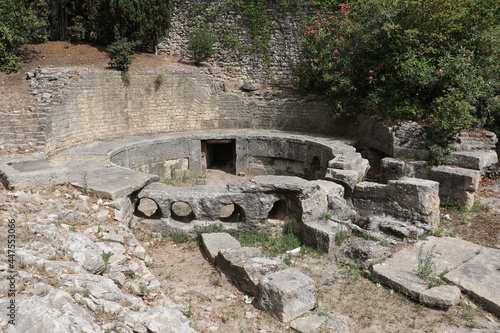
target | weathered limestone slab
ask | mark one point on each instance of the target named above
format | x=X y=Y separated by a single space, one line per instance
x=232 y=263
x=396 y=228
x=313 y=206
x=98 y=286
x=215 y=242
x=308 y=323
x=109 y=182
x=457 y=179
x=29 y=172
x=475 y=140
x=255 y=269
x=480 y=278
x=402 y=281
x=287 y=294
x=273 y=184
x=447 y=253
x=477 y=160
x=370 y=190
x=471 y=267
x=159 y=320
x=440 y=296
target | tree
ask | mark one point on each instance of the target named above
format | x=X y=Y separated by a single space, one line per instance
x=20 y=22
x=435 y=61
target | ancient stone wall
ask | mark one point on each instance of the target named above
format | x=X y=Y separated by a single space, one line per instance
x=237 y=53
x=102 y=105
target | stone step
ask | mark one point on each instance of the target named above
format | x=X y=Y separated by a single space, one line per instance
x=346 y=178
x=477 y=160
x=347 y=161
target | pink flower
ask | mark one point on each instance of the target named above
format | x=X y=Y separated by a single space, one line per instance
x=370 y=77
x=370 y=71
x=440 y=71
x=335 y=51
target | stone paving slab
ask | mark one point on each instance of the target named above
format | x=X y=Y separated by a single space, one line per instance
x=109 y=182
x=471 y=267
x=480 y=278
x=404 y=282
x=447 y=253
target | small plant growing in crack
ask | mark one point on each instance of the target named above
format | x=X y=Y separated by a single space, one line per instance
x=105 y=257
x=85 y=184
x=325 y=216
x=144 y=290
x=426 y=269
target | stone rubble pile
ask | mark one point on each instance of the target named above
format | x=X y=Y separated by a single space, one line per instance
x=78 y=274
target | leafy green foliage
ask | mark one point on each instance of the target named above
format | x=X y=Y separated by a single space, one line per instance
x=119 y=52
x=201 y=45
x=20 y=22
x=260 y=25
x=106 y=21
x=435 y=61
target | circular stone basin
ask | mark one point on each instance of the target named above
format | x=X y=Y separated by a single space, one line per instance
x=243 y=152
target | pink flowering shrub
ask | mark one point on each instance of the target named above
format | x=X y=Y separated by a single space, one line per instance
x=434 y=61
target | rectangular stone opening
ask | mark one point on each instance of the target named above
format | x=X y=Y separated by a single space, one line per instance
x=219 y=154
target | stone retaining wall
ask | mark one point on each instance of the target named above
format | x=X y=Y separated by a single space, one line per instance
x=102 y=105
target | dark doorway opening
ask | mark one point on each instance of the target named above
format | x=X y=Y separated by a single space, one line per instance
x=279 y=211
x=220 y=154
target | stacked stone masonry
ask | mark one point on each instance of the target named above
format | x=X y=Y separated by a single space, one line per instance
x=237 y=53
x=105 y=105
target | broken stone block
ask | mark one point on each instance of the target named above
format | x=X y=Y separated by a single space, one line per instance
x=321 y=235
x=440 y=296
x=362 y=252
x=313 y=206
x=215 y=242
x=392 y=168
x=244 y=266
x=254 y=270
x=340 y=210
x=346 y=178
x=287 y=294
x=417 y=196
